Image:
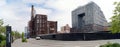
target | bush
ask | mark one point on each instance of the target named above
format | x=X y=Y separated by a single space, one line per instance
x=2 y=40
x=2 y=37
x=3 y=43
x=24 y=40
x=111 y=45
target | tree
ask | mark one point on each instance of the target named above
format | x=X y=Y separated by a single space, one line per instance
x=16 y=34
x=2 y=31
x=1 y=22
x=2 y=28
x=115 y=20
x=2 y=34
x=22 y=34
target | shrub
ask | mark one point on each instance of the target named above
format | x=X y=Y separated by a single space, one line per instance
x=2 y=37
x=3 y=43
x=2 y=40
x=111 y=45
x=24 y=40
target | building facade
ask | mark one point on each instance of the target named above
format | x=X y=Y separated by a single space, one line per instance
x=88 y=19
x=26 y=32
x=52 y=27
x=65 y=29
x=31 y=23
x=39 y=25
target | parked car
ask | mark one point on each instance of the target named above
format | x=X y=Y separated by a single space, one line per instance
x=37 y=38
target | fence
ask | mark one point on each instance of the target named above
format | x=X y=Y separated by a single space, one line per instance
x=81 y=36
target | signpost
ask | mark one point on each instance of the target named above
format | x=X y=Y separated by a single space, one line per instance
x=8 y=36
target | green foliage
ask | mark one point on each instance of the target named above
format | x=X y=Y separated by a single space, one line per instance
x=2 y=28
x=2 y=34
x=3 y=43
x=22 y=34
x=2 y=37
x=23 y=38
x=115 y=20
x=1 y=22
x=17 y=34
x=110 y=45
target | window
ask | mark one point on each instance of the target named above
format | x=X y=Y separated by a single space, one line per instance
x=40 y=16
x=37 y=17
x=37 y=27
x=40 y=21
x=37 y=20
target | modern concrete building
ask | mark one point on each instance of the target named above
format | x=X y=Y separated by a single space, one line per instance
x=88 y=19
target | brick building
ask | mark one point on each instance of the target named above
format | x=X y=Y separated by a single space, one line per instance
x=39 y=24
x=52 y=27
x=31 y=23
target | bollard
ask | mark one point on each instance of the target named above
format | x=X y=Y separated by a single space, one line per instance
x=8 y=36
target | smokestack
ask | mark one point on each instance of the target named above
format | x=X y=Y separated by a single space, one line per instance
x=32 y=12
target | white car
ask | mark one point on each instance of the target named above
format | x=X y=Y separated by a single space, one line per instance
x=38 y=38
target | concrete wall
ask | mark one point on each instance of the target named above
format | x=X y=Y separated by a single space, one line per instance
x=99 y=17
x=94 y=19
x=88 y=18
x=82 y=36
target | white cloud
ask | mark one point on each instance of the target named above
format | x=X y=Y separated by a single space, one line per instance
x=14 y=15
x=2 y=2
x=34 y=1
x=65 y=4
x=42 y=11
x=18 y=14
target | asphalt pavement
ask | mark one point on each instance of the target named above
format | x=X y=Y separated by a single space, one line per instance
x=57 y=43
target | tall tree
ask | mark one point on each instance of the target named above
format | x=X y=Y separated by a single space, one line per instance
x=115 y=19
x=1 y=22
x=2 y=28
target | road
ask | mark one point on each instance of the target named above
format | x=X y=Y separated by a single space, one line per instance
x=57 y=43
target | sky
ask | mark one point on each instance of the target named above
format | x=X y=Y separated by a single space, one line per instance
x=16 y=13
